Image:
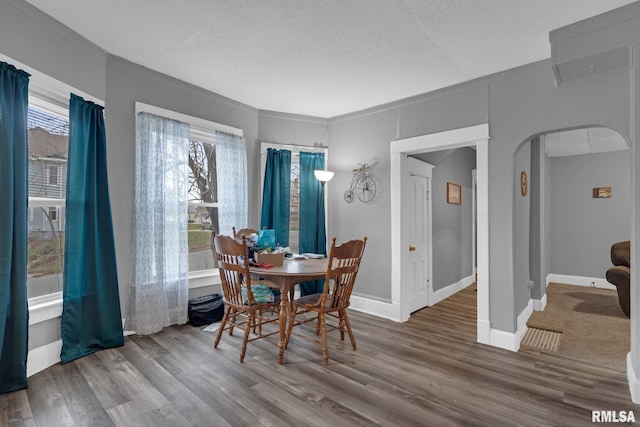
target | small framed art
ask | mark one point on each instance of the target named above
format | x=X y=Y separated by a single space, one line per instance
x=602 y=192
x=454 y=194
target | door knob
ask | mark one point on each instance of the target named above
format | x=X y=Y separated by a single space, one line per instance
x=412 y=248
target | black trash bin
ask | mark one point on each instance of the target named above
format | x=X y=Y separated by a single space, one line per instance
x=206 y=309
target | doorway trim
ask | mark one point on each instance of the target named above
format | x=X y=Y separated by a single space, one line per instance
x=477 y=136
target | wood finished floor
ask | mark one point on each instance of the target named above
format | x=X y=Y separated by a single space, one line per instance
x=426 y=372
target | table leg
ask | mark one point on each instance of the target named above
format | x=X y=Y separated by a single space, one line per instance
x=282 y=324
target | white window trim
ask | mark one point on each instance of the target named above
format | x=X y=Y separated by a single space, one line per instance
x=201 y=129
x=45 y=307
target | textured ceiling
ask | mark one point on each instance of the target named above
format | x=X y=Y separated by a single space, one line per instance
x=323 y=57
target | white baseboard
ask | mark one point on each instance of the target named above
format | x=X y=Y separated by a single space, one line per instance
x=484 y=332
x=579 y=281
x=444 y=293
x=507 y=340
x=634 y=381
x=522 y=323
x=540 y=304
x=377 y=308
x=41 y=358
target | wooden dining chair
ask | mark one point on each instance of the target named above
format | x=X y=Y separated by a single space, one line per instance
x=245 y=301
x=245 y=231
x=342 y=269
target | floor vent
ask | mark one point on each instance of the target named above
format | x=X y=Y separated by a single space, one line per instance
x=541 y=339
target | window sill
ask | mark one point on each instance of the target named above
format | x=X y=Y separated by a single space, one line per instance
x=47 y=307
x=200 y=279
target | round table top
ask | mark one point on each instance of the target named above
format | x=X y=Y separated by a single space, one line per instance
x=294 y=267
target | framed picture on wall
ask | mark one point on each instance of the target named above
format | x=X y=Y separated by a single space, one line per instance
x=454 y=194
x=602 y=192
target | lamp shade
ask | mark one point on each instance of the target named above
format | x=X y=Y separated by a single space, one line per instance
x=322 y=175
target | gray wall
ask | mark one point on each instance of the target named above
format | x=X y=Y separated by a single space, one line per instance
x=452 y=224
x=519 y=104
x=363 y=139
x=583 y=228
x=127 y=83
x=522 y=212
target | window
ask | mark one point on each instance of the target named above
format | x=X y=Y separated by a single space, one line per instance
x=53 y=175
x=202 y=197
x=53 y=214
x=294 y=206
x=48 y=137
x=202 y=193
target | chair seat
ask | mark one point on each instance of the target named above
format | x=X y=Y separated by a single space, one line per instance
x=313 y=299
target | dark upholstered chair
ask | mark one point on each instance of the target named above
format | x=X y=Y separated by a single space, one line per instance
x=620 y=274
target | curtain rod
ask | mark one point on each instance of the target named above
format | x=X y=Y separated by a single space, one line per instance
x=323 y=147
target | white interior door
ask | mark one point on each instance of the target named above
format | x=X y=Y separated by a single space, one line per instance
x=417 y=234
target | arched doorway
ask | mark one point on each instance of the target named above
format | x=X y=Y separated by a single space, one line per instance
x=577 y=204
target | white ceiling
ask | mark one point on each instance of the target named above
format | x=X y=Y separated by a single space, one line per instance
x=323 y=57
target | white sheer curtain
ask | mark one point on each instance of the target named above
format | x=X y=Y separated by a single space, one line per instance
x=159 y=288
x=231 y=175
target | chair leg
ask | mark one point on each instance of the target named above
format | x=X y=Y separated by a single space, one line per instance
x=348 y=325
x=341 y=323
x=323 y=329
x=250 y=321
x=221 y=329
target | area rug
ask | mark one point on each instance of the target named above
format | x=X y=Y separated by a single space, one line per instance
x=590 y=322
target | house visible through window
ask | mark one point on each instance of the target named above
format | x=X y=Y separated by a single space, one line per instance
x=48 y=137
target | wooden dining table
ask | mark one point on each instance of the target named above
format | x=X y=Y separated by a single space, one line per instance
x=286 y=277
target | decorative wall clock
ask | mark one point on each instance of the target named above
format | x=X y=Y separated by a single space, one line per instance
x=523 y=183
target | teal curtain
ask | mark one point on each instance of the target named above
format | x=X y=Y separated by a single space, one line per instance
x=91 y=318
x=276 y=194
x=14 y=313
x=312 y=222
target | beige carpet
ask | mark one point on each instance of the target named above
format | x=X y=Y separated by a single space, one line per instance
x=590 y=323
